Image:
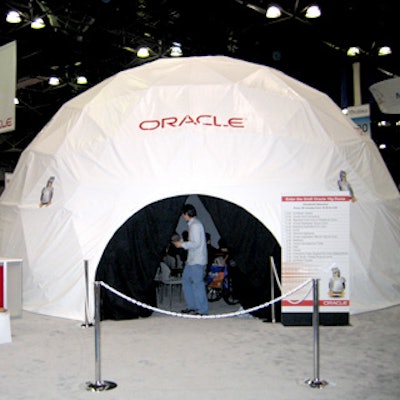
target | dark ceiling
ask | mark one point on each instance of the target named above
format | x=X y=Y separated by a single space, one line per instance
x=98 y=38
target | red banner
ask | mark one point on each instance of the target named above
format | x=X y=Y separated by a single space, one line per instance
x=1 y=285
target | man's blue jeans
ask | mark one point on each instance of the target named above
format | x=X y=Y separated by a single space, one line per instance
x=194 y=288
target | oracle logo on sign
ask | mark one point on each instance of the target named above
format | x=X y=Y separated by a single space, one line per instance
x=199 y=120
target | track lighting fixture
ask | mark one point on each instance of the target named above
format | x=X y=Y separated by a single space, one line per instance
x=54 y=81
x=143 y=52
x=81 y=80
x=176 y=50
x=313 y=11
x=353 y=51
x=273 y=11
x=384 y=51
x=13 y=17
x=38 y=23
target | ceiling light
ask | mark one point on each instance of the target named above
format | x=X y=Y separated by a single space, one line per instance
x=353 y=51
x=16 y=101
x=382 y=146
x=176 y=50
x=143 y=52
x=384 y=51
x=273 y=12
x=54 y=81
x=13 y=17
x=313 y=12
x=38 y=23
x=81 y=80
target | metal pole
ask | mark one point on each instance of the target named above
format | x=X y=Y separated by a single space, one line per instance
x=86 y=324
x=316 y=328
x=97 y=288
x=272 y=278
x=99 y=385
x=316 y=382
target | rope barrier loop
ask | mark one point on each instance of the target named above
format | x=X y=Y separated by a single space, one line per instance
x=213 y=316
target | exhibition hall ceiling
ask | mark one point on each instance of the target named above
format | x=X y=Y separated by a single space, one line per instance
x=98 y=38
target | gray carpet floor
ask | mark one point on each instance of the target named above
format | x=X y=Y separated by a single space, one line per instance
x=165 y=357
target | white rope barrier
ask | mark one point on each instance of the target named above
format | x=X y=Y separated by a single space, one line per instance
x=281 y=288
x=302 y=299
x=214 y=316
x=276 y=274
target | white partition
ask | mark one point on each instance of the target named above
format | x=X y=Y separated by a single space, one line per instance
x=11 y=290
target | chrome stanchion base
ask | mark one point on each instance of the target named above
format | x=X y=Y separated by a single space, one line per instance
x=316 y=383
x=100 y=386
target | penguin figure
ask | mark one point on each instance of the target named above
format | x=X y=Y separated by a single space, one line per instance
x=47 y=193
x=337 y=283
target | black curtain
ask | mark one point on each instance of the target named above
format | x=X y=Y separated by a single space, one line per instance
x=251 y=245
x=131 y=258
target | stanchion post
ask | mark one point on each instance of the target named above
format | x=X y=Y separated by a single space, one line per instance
x=316 y=382
x=99 y=385
x=86 y=324
x=272 y=278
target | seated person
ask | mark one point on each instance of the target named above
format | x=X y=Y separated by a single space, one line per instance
x=222 y=253
x=175 y=257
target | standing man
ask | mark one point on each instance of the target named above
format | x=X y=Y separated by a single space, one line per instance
x=193 y=276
